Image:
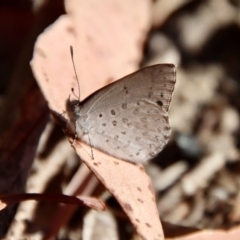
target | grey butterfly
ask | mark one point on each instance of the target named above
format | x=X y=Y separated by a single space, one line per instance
x=128 y=118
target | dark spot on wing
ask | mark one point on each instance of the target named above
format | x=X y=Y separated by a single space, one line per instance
x=124 y=105
x=125 y=89
x=113 y=112
x=166 y=137
x=167 y=128
x=160 y=103
x=136 y=111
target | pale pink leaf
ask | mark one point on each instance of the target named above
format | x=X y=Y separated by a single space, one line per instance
x=107 y=37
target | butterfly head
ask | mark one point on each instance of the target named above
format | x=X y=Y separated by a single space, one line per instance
x=73 y=108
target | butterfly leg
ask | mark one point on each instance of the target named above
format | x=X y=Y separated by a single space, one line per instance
x=75 y=134
x=91 y=147
x=66 y=128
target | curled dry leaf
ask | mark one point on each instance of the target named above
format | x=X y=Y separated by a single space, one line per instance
x=102 y=55
x=93 y=203
x=6 y=199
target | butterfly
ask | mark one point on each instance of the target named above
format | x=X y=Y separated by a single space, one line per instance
x=127 y=119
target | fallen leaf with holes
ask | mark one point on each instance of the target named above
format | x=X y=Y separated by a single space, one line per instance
x=102 y=54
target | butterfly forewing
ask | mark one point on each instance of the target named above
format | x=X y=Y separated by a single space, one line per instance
x=155 y=82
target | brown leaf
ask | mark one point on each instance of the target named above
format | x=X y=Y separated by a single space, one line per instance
x=6 y=199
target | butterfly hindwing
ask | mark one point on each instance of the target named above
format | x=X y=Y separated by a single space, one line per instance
x=136 y=132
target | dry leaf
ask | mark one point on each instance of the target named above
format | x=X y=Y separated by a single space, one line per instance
x=106 y=48
x=232 y=234
x=6 y=199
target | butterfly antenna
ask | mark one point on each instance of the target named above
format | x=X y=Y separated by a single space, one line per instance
x=74 y=94
x=71 y=50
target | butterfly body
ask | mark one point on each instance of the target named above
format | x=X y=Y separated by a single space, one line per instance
x=127 y=119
